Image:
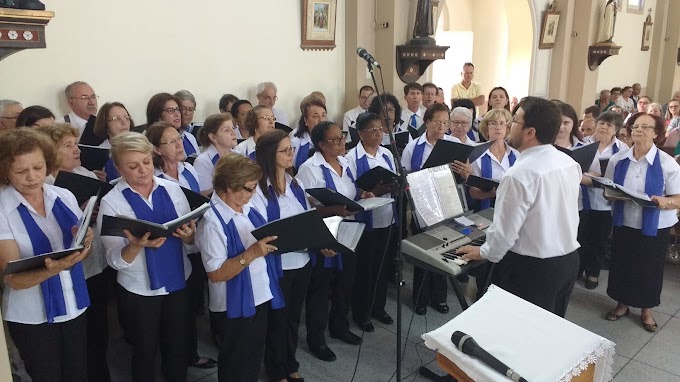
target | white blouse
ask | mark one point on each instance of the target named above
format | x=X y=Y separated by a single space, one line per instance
x=422 y=140
x=246 y=147
x=498 y=168
x=311 y=175
x=597 y=200
x=205 y=168
x=26 y=306
x=297 y=142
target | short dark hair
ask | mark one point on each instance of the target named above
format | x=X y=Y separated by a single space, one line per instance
x=615 y=89
x=236 y=105
x=365 y=118
x=366 y=87
x=430 y=85
x=154 y=109
x=648 y=98
x=594 y=110
x=386 y=98
x=659 y=124
x=433 y=109
x=507 y=97
x=101 y=123
x=468 y=64
x=318 y=135
x=265 y=155
x=626 y=88
x=30 y=115
x=568 y=111
x=210 y=126
x=412 y=86
x=542 y=115
x=302 y=127
x=468 y=104
x=611 y=117
x=225 y=100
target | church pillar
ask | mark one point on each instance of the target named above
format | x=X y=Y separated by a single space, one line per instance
x=360 y=30
x=664 y=72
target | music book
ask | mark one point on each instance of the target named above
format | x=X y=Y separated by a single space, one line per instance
x=618 y=192
x=434 y=195
x=329 y=197
x=484 y=184
x=36 y=262
x=445 y=152
x=191 y=159
x=317 y=234
x=415 y=133
x=195 y=199
x=83 y=187
x=283 y=127
x=239 y=140
x=93 y=157
x=114 y=225
x=583 y=155
x=368 y=180
x=401 y=138
x=479 y=150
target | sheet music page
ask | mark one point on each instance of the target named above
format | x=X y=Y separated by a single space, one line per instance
x=373 y=203
x=425 y=199
x=445 y=184
x=333 y=225
x=349 y=234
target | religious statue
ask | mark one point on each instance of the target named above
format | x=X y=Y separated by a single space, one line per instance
x=33 y=5
x=608 y=22
x=424 y=26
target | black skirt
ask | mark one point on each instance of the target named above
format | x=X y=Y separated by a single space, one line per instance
x=636 y=270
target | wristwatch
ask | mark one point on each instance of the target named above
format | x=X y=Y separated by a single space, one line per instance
x=242 y=261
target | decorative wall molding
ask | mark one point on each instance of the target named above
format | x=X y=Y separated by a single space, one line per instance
x=22 y=29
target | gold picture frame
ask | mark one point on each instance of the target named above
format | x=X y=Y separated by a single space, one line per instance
x=647 y=33
x=318 y=24
x=551 y=19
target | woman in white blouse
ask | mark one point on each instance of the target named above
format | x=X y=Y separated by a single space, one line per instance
x=313 y=113
x=239 y=110
x=377 y=245
x=258 y=121
x=243 y=272
x=152 y=295
x=641 y=235
x=217 y=135
x=461 y=122
x=97 y=273
x=44 y=307
x=112 y=119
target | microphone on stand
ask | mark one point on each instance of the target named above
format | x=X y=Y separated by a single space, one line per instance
x=466 y=344
x=367 y=56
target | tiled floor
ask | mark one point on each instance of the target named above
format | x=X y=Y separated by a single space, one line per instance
x=640 y=356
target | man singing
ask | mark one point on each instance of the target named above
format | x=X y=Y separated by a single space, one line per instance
x=533 y=235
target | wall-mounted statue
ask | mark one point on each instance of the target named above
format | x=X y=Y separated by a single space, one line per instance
x=33 y=5
x=424 y=26
x=607 y=23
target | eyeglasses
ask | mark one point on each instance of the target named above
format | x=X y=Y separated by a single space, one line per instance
x=440 y=123
x=185 y=109
x=363 y=98
x=516 y=121
x=171 y=110
x=391 y=110
x=497 y=123
x=119 y=118
x=288 y=151
x=270 y=98
x=248 y=189
x=336 y=141
x=86 y=97
x=268 y=118
x=459 y=123
x=372 y=130
x=641 y=126
x=175 y=141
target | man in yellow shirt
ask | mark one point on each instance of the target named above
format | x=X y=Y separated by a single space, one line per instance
x=467 y=88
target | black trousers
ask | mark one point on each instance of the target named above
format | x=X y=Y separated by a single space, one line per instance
x=53 y=352
x=243 y=345
x=98 y=327
x=283 y=325
x=151 y=321
x=196 y=283
x=593 y=233
x=428 y=287
x=374 y=256
x=195 y=286
x=544 y=282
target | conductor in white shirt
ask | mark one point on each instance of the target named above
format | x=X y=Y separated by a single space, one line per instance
x=540 y=192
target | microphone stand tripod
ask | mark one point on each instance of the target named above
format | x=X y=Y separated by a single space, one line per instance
x=402 y=192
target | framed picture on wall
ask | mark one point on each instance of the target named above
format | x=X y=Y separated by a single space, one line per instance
x=551 y=19
x=647 y=33
x=318 y=24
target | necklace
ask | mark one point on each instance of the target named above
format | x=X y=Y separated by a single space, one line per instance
x=637 y=172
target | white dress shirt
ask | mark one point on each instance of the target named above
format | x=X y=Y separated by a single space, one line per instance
x=212 y=241
x=134 y=276
x=106 y=144
x=422 y=140
x=75 y=120
x=498 y=169
x=382 y=216
x=311 y=174
x=350 y=118
x=246 y=147
x=26 y=306
x=289 y=206
x=281 y=116
x=406 y=118
x=205 y=168
x=635 y=181
x=536 y=211
x=595 y=194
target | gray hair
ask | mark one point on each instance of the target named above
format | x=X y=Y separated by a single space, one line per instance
x=264 y=85
x=69 y=89
x=462 y=111
x=185 y=95
x=6 y=103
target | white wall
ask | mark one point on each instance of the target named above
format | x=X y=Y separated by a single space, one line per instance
x=631 y=64
x=129 y=50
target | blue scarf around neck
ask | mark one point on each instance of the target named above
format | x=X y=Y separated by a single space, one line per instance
x=487 y=172
x=188 y=147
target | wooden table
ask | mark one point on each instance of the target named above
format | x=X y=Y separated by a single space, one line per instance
x=452 y=369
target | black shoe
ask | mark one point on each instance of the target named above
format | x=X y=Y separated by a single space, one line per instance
x=442 y=307
x=384 y=318
x=349 y=337
x=323 y=353
x=208 y=364
x=293 y=379
x=365 y=326
x=421 y=310
x=590 y=284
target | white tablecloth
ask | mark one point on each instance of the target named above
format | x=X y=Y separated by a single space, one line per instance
x=537 y=344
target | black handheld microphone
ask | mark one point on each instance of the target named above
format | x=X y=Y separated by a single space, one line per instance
x=367 y=56
x=469 y=346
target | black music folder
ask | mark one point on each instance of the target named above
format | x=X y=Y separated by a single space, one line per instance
x=401 y=138
x=191 y=159
x=37 y=262
x=330 y=197
x=114 y=225
x=415 y=133
x=603 y=166
x=317 y=233
x=583 y=155
x=283 y=127
x=484 y=184
x=239 y=140
x=83 y=187
x=479 y=150
x=618 y=192
x=195 y=199
x=93 y=157
x=445 y=152
x=368 y=180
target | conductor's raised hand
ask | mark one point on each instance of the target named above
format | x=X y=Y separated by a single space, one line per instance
x=469 y=252
x=186 y=232
x=260 y=248
x=144 y=240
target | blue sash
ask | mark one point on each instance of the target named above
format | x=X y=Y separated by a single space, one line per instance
x=488 y=173
x=240 y=300
x=111 y=171
x=366 y=217
x=52 y=292
x=188 y=147
x=417 y=156
x=471 y=134
x=274 y=209
x=191 y=179
x=252 y=156
x=165 y=265
x=215 y=158
x=654 y=183
x=302 y=155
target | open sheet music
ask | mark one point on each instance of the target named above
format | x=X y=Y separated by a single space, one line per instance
x=435 y=195
x=618 y=192
x=114 y=225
